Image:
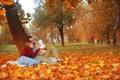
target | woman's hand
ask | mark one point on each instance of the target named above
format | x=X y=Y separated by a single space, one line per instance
x=42 y=54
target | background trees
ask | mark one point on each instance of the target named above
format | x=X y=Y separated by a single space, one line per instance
x=77 y=20
x=56 y=12
x=105 y=17
x=98 y=21
x=89 y=20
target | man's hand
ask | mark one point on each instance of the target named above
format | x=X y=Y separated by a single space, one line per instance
x=43 y=48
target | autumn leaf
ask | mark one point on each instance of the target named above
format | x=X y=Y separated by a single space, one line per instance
x=3 y=75
x=105 y=77
x=2 y=12
x=86 y=66
x=26 y=73
x=48 y=71
x=17 y=73
x=74 y=67
x=101 y=63
x=116 y=64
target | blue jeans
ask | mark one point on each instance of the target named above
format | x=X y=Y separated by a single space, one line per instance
x=23 y=60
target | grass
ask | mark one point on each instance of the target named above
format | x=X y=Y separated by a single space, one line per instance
x=70 y=47
x=88 y=48
x=8 y=49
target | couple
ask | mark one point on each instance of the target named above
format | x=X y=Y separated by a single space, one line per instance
x=35 y=53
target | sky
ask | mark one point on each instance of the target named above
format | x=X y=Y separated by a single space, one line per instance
x=27 y=5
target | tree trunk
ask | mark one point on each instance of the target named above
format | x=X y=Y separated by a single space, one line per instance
x=115 y=31
x=58 y=38
x=108 y=38
x=69 y=35
x=60 y=27
x=92 y=40
x=114 y=37
x=117 y=24
x=52 y=35
x=18 y=33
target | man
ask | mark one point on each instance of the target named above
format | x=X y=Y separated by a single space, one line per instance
x=27 y=55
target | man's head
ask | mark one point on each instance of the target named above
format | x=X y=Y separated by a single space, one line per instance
x=30 y=39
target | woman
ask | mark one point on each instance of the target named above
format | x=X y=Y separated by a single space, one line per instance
x=45 y=54
x=27 y=55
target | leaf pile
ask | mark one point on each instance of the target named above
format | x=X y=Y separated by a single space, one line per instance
x=75 y=66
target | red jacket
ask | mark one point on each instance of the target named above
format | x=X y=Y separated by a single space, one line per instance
x=27 y=51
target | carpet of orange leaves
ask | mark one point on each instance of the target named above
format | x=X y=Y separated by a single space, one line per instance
x=74 y=67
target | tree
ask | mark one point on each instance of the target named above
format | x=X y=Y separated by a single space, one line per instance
x=59 y=12
x=14 y=23
x=104 y=23
x=115 y=23
x=94 y=21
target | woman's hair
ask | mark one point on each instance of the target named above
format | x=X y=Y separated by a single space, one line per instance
x=29 y=38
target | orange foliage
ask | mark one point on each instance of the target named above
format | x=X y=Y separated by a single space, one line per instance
x=83 y=30
x=70 y=3
x=50 y=4
x=2 y=17
x=2 y=12
x=93 y=20
x=6 y=2
x=74 y=67
x=67 y=3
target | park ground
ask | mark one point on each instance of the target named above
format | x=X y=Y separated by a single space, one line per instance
x=80 y=62
x=69 y=47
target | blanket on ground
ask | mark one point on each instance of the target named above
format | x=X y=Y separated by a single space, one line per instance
x=15 y=62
